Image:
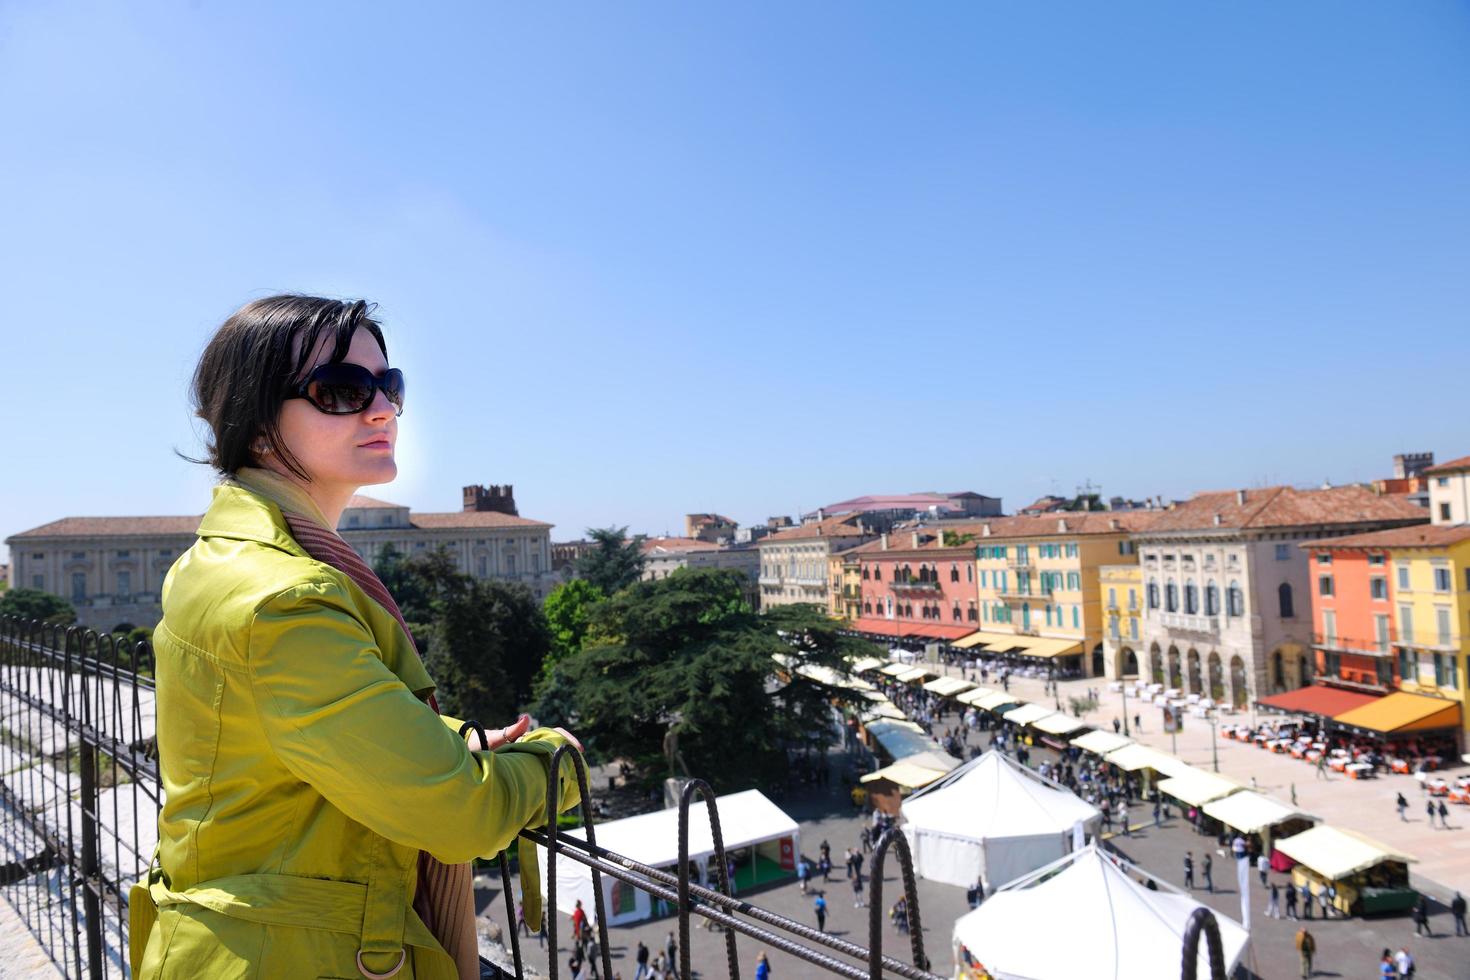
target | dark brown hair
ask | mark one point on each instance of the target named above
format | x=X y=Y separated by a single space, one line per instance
x=255 y=359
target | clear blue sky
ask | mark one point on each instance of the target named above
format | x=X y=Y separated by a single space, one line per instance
x=646 y=259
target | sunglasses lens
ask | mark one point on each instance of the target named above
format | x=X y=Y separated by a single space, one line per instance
x=341 y=389
x=393 y=387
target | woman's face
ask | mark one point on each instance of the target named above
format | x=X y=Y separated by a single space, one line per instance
x=343 y=452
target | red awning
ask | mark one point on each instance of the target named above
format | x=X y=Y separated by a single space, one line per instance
x=1318 y=699
x=899 y=628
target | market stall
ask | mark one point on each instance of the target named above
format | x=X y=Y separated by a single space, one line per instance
x=758 y=835
x=1369 y=876
x=887 y=787
x=991 y=819
x=1112 y=926
x=1099 y=742
x=1150 y=763
x=1255 y=815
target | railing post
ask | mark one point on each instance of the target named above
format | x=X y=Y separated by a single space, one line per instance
x=1202 y=918
x=895 y=838
x=726 y=885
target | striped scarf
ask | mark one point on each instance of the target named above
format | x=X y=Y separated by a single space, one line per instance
x=445 y=898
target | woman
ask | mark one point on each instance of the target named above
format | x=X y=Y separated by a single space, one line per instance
x=318 y=811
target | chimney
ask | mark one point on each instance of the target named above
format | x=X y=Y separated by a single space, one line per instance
x=1240 y=497
x=1062 y=525
x=916 y=539
x=1112 y=524
x=883 y=539
x=1087 y=503
x=985 y=532
x=1218 y=519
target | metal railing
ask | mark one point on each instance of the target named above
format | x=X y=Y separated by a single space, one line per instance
x=80 y=798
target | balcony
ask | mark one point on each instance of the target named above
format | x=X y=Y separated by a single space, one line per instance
x=914 y=585
x=1186 y=623
x=1351 y=644
x=1424 y=640
x=1013 y=561
x=1012 y=594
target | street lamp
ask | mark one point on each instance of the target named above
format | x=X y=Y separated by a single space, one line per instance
x=1214 y=745
x=1124 y=686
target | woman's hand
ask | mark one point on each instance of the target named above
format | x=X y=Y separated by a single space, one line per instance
x=500 y=736
x=576 y=743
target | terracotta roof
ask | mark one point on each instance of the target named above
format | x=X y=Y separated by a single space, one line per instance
x=78 y=527
x=1285 y=507
x=358 y=500
x=670 y=545
x=471 y=518
x=828 y=527
x=1453 y=466
x=1414 y=536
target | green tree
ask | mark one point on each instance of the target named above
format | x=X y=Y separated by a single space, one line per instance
x=568 y=615
x=35 y=604
x=614 y=562
x=410 y=587
x=679 y=674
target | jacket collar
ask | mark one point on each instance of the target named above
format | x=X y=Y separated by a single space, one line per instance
x=245 y=515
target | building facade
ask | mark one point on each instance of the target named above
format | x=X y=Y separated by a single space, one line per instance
x=1120 y=594
x=918 y=584
x=1227 y=607
x=846 y=600
x=794 y=563
x=663 y=556
x=111 y=569
x=1449 y=491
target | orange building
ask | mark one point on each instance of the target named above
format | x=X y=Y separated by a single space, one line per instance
x=1352 y=613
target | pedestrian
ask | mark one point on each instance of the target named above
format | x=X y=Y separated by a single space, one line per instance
x=1117 y=726
x=1322 y=765
x=1237 y=847
x=1273 y=907
x=641 y=958
x=594 y=953
x=1387 y=968
x=541 y=933
x=857 y=866
x=1138 y=723
x=521 y=926
x=1430 y=807
x=801 y=872
x=821 y=907
x=579 y=920
x=1306 y=947
x=1263 y=867
x=857 y=892
x=1157 y=810
x=1290 y=902
x=1306 y=901
x=762 y=968
x=1457 y=909
x=1403 y=807
x=866 y=838
x=1404 y=962
x=1421 y=918
x=1293 y=794
x=1189 y=869
x=1444 y=815
x=1324 y=898
x=671 y=950
x=1208 y=869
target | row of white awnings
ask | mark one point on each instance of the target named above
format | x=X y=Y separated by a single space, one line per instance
x=1021 y=646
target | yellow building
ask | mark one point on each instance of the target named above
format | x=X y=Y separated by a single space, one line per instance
x=1037 y=577
x=845 y=600
x=1120 y=593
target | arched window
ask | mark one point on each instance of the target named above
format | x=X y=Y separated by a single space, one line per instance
x=1283 y=596
x=1153 y=594
x=1212 y=599
x=954 y=574
x=1234 y=600
x=865 y=573
x=1171 y=597
x=1191 y=598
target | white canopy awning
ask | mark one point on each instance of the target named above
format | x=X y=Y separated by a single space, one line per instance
x=973 y=696
x=914 y=674
x=1058 y=724
x=1132 y=758
x=893 y=670
x=948 y=687
x=1116 y=928
x=995 y=700
x=1198 y=787
x=1101 y=742
x=1026 y=714
x=1250 y=812
x=1335 y=854
x=866 y=664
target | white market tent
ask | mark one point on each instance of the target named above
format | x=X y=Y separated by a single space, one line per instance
x=1026 y=714
x=948 y=687
x=1100 y=742
x=973 y=697
x=880 y=707
x=1198 y=787
x=893 y=670
x=1132 y=758
x=1058 y=724
x=914 y=674
x=1116 y=928
x=747 y=819
x=866 y=664
x=995 y=700
x=1335 y=854
x=991 y=819
x=915 y=771
x=1251 y=813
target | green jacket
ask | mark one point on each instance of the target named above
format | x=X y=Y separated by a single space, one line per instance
x=302 y=770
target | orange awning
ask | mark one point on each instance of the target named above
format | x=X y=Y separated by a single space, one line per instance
x=1402 y=712
x=1318 y=699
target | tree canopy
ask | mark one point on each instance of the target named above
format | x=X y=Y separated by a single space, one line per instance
x=35 y=604
x=614 y=561
x=680 y=675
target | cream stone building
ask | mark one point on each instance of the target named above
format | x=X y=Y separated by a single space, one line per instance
x=663 y=555
x=111 y=569
x=1227 y=600
x=1449 y=491
x=795 y=563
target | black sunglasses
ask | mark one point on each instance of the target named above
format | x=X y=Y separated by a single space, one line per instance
x=340 y=388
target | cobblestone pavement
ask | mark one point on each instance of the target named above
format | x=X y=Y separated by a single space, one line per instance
x=21 y=956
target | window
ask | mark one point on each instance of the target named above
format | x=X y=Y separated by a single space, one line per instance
x=1191 y=599
x=38 y=556
x=877 y=573
x=1324 y=558
x=954 y=576
x=125 y=553
x=1212 y=599
x=970 y=573
x=353 y=520
x=78 y=586
x=1444 y=512
x=1283 y=552
x=1133 y=627
x=1072 y=550
x=125 y=584
x=1125 y=548
x=972 y=613
x=1380 y=632
x=1406 y=623
x=38 y=582
x=1324 y=585
x=510 y=563
x=1234 y=600
x=482 y=569
x=1074 y=617
x=1171 y=597
x=1284 y=599
x=1153 y=595
x=1408 y=665
x=865 y=578
x=1403 y=572
x=1329 y=627
x=1442 y=625
x=1375 y=559
x=1442 y=481
x=386 y=520
x=1132 y=598
x=1112 y=602
x=78 y=556
x=1378 y=587
x=956 y=619
x=1442 y=582
x=1074 y=581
